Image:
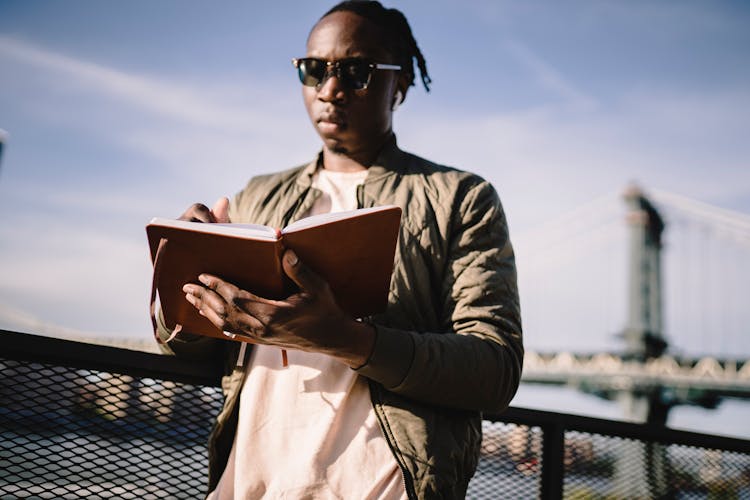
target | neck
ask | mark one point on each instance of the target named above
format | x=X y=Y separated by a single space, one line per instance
x=351 y=161
x=341 y=162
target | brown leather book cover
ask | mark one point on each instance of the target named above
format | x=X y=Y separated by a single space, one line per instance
x=353 y=251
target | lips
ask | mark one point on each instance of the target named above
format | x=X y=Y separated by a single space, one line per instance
x=331 y=124
x=337 y=119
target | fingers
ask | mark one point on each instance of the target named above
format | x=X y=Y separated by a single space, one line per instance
x=220 y=210
x=224 y=304
x=197 y=212
x=208 y=304
x=227 y=291
x=302 y=275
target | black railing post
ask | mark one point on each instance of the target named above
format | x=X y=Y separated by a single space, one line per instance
x=553 y=456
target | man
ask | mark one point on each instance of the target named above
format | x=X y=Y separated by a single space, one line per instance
x=381 y=407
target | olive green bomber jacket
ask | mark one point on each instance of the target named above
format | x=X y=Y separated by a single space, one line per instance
x=449 y=345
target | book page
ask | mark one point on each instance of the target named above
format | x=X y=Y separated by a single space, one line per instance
x=321 y=219
x=254 y=231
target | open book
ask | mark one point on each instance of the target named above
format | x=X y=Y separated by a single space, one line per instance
x=353 y=251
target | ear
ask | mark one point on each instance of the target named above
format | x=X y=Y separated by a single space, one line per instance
x=402 y=86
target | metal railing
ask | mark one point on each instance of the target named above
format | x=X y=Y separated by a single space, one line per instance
x=87 y=421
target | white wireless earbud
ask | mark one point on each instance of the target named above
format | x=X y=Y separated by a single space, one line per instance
x=397 y=100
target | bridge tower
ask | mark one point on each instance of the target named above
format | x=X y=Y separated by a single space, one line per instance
x=643 y=333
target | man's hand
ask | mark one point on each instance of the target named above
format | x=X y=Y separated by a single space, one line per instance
x=201 y=213
x=309 y=320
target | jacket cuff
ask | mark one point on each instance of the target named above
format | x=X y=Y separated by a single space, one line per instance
x=164 y=332
x=391 y=357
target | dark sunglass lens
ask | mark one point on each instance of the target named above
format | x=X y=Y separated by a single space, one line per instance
x=311 y=71
x=355 y=73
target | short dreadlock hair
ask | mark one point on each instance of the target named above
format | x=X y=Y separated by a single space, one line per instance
x=399 y=40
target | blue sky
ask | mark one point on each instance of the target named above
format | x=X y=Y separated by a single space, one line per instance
x=120 y=111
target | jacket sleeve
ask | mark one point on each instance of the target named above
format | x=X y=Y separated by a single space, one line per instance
x=478 y=365
x=187 y=345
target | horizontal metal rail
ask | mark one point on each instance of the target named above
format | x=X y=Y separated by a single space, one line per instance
x=38 y=349
x=35 y=348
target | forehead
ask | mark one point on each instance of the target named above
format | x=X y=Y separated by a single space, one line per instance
x=345 y=34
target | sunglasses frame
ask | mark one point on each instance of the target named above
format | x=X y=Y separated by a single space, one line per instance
x=335 y=68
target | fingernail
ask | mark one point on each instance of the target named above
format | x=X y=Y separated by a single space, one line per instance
x=291 y=258
x=203 y=279
x=190 y=298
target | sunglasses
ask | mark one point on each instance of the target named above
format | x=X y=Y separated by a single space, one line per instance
x=354 y=73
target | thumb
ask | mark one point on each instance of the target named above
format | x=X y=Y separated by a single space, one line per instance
x=302 y=275
x=220 y=210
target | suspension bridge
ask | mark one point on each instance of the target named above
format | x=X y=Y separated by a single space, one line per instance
x=640 y=298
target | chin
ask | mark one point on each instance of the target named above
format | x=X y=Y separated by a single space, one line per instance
x=339 y=150
x=335 y=145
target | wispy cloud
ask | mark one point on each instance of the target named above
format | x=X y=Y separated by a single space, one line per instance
x=550 y=77
x=167 y=99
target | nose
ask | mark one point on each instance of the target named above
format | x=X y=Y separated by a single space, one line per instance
x=330 y=89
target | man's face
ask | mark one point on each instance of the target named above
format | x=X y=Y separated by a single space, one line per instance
x=352 y=122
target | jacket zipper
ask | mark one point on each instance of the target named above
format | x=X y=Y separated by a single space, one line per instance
x=406 y=478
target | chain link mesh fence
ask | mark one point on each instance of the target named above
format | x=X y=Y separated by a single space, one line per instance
x=610 y=467
x=69 y=433
x=85 y=433
x=511 y=462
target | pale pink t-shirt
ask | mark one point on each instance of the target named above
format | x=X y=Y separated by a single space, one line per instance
x=309 y=430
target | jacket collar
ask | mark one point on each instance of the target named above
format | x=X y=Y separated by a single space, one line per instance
x=389 y=161
x=304 y=179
